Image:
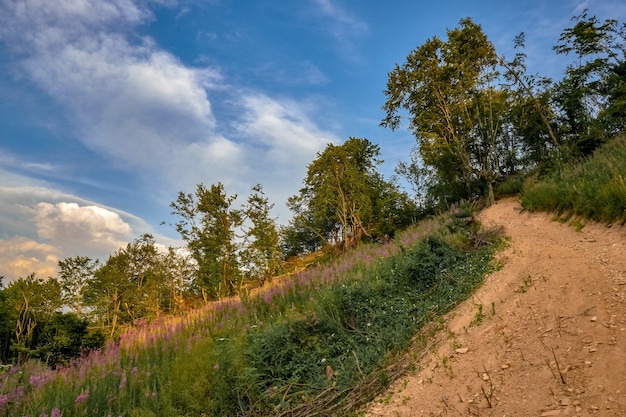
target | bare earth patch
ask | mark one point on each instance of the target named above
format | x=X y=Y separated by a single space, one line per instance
x=543 y=336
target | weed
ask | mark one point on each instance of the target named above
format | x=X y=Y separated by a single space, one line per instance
x=527 y=283
x=478 y=317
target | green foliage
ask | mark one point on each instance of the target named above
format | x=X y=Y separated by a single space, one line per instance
x=345 y=200
x=208 y=223
x=457 y=114
x=593 y=188
x=591 y=96
x=510 y=186
x=261 y=255
x=64 y=337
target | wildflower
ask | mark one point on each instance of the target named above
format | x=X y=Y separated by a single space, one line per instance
x=4 y=399
x=55 y=412
x=37 y=381
x=216 y=366
x=82 y=397
x=154 y=394
x=123 y=382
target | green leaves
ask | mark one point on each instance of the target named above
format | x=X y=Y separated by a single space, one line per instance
x=344 y=198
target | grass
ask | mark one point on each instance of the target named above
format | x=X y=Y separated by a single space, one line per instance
x=594 y=188
x=321 y=340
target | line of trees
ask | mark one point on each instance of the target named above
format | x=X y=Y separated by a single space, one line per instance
x=228 y=249
x=479 y=118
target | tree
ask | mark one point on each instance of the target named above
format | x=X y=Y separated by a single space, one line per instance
x=30 y=301
x=179 y=271
x=336 y=192
x=592 y=95
x=207 y=224
x=64 y=337
x=130 y=285
x=261 y=254
x=344 y=199
x=75 y=274
x=444 y=88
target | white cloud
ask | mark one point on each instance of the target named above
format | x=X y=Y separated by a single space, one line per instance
x=20 y=257
x=41 y=225
x=75 y=228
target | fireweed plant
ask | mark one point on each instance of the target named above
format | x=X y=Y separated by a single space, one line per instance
x=315 y=334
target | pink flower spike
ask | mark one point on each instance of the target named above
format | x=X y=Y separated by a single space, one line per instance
x=216 y=366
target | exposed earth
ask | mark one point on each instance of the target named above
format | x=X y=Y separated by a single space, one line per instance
x=545 y=335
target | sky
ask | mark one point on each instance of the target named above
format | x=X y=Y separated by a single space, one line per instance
x=110 y=108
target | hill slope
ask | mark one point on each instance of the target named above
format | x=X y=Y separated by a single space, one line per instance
x=543 y=336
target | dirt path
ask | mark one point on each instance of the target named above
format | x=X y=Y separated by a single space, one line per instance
x=551 y=339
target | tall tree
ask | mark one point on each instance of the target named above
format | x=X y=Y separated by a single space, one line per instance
x=261 y=254
x=208 y=224
x=75 y=274
x=592 y=95
x=341 y=201
x=442 y=88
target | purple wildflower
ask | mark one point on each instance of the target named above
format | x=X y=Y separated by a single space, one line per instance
x=82 y=397
x=55 y=412
x=216 y=366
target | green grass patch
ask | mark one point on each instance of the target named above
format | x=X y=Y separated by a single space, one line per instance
x=594 y=188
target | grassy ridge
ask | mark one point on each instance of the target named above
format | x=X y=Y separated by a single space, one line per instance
x=594 y=188
x=301 y=344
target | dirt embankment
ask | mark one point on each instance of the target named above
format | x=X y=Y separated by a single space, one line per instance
x=544 y=336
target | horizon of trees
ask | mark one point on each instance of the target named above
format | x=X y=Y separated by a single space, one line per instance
x=478 y=120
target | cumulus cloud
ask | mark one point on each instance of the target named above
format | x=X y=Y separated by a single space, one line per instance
x=88 y=228
x=20 y=257
x=42 y=225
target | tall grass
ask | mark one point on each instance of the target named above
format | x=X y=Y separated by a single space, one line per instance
x=594 y=188
x=300 y=342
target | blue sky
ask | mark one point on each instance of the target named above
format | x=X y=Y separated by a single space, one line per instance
x=110 y=108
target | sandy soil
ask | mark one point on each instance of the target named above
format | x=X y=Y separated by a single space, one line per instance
x=551 y=339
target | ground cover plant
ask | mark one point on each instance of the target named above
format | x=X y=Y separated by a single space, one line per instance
x=594 y=188
x=296 y=345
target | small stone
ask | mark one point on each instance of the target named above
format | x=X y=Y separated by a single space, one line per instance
x=565 y=401
x=588 y=363
x=470 y=401
x=593 y=407
x=551 y=413
x=485 y=377
x=462 y=350
x=578 y=409
x=593 y=350
x=594 y=318
x=505 y=366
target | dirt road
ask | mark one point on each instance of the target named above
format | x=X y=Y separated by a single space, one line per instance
x=544 y=336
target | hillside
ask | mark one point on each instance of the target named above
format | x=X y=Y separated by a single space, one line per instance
x=543 y=336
